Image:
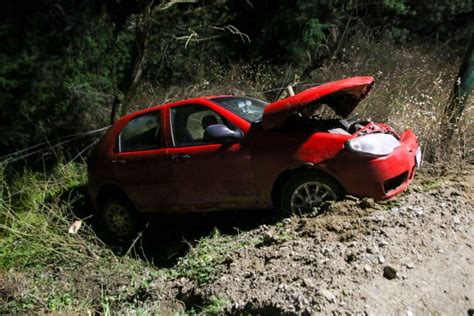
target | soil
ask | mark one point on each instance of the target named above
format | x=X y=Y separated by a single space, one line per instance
x=410 y=255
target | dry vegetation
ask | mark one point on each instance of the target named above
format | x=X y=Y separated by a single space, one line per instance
x=413 y=85
x=43 y=268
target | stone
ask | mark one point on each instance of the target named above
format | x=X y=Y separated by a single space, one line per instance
x=328 y=295
x=372 y=250
x=367 y=203
x=367 y=268
x=381 y=259
x=390 y=272
x=351 y=198
x=309 y=282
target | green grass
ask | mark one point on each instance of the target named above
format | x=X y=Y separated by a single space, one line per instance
x=43 y=268
x=215 y=306
x=199 y=265
x=432 y=184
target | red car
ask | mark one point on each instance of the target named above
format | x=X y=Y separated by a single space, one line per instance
x=231 y=152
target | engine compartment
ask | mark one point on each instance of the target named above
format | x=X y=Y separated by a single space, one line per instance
x=315 y=123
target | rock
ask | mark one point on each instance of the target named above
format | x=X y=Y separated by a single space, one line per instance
x=351 y=198
x=328 y=295
x=367 y=203
x=372 y=250
x=410 y=265
x=367 y=268
x=456 y=220
x=383 y=243
x=309 y=282
x=390 y=272
x=381 y=259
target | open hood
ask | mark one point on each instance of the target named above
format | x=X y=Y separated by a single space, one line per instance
x=342 y=96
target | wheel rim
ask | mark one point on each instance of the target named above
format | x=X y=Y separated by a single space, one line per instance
x=118 y=219
x=311 y=194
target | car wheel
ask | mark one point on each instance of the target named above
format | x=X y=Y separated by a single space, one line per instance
x=306 y=191
x=118 y=216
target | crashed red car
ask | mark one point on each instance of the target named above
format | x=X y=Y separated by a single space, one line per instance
x=232 y=152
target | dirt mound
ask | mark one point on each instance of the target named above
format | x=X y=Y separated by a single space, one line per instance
x=352 y=255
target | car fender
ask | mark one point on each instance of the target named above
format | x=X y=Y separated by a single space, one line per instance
x=321 y=146
x=116 y=187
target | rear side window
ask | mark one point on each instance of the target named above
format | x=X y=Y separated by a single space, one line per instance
x=141 y=133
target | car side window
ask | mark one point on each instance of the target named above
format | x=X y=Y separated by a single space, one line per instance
x=141 y=133
x=189 y=122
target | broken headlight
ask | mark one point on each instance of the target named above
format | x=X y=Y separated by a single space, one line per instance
x=373 y=144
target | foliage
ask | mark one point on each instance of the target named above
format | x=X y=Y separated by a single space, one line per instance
x=199 y=264
x=62 y=62
x=43 y=268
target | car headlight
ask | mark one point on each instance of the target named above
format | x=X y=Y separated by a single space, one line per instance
x=373 y=144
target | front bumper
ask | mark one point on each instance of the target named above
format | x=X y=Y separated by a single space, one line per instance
x=380 y=177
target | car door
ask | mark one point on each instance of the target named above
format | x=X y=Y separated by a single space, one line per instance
x=141 y=164
x=208 y=175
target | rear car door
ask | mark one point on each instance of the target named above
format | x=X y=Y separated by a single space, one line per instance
x=208 y=175
x=141 y=164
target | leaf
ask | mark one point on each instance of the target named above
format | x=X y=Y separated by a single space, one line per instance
x=75 y=227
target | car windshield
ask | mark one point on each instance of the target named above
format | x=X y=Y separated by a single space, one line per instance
x=248 y=108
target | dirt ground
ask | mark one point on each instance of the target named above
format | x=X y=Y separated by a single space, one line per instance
x=408 y=256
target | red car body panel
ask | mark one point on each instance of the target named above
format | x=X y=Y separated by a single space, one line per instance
x=244 y=174
x=347 y=93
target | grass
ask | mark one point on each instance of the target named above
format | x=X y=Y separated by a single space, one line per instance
x=199 y=265
x=430 y=185
x=43 y=268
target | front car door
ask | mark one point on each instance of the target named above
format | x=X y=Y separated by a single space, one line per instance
x=141 y=164
x=208 y=175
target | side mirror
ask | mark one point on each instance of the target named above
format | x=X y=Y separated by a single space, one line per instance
x=221 y=134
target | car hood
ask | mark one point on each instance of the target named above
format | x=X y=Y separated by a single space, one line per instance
x=342 y=96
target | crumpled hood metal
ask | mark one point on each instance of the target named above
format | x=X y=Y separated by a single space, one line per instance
x=342 y=96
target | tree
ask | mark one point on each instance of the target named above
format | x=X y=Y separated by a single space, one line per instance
x=131 y=77
x=462 y=87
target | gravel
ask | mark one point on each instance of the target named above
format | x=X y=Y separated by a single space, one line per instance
x=412 y=254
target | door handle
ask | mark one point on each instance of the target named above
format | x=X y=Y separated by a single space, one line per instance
x=180 y=157
x=121 y=161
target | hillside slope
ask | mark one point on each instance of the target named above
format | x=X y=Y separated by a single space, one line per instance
x=335 y=261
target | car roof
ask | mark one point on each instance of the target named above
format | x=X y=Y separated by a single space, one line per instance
x=173 y=103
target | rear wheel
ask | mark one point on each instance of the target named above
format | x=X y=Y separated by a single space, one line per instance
x=119 y=217
x=306 y=191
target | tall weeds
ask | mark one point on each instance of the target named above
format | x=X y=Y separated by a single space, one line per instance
x=413 y=84
x=45 y=268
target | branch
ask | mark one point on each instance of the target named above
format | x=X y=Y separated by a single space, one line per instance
x=194 y=37
x=232 y=29
x=166 y=5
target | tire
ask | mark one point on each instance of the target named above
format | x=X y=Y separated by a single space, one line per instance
x=119 y=218
x=305 y=191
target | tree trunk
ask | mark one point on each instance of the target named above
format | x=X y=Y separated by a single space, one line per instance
x=129 y=83
x=462 y=87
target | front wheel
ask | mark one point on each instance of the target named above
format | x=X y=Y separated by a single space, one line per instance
x=306 y=191
x=118 y=216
